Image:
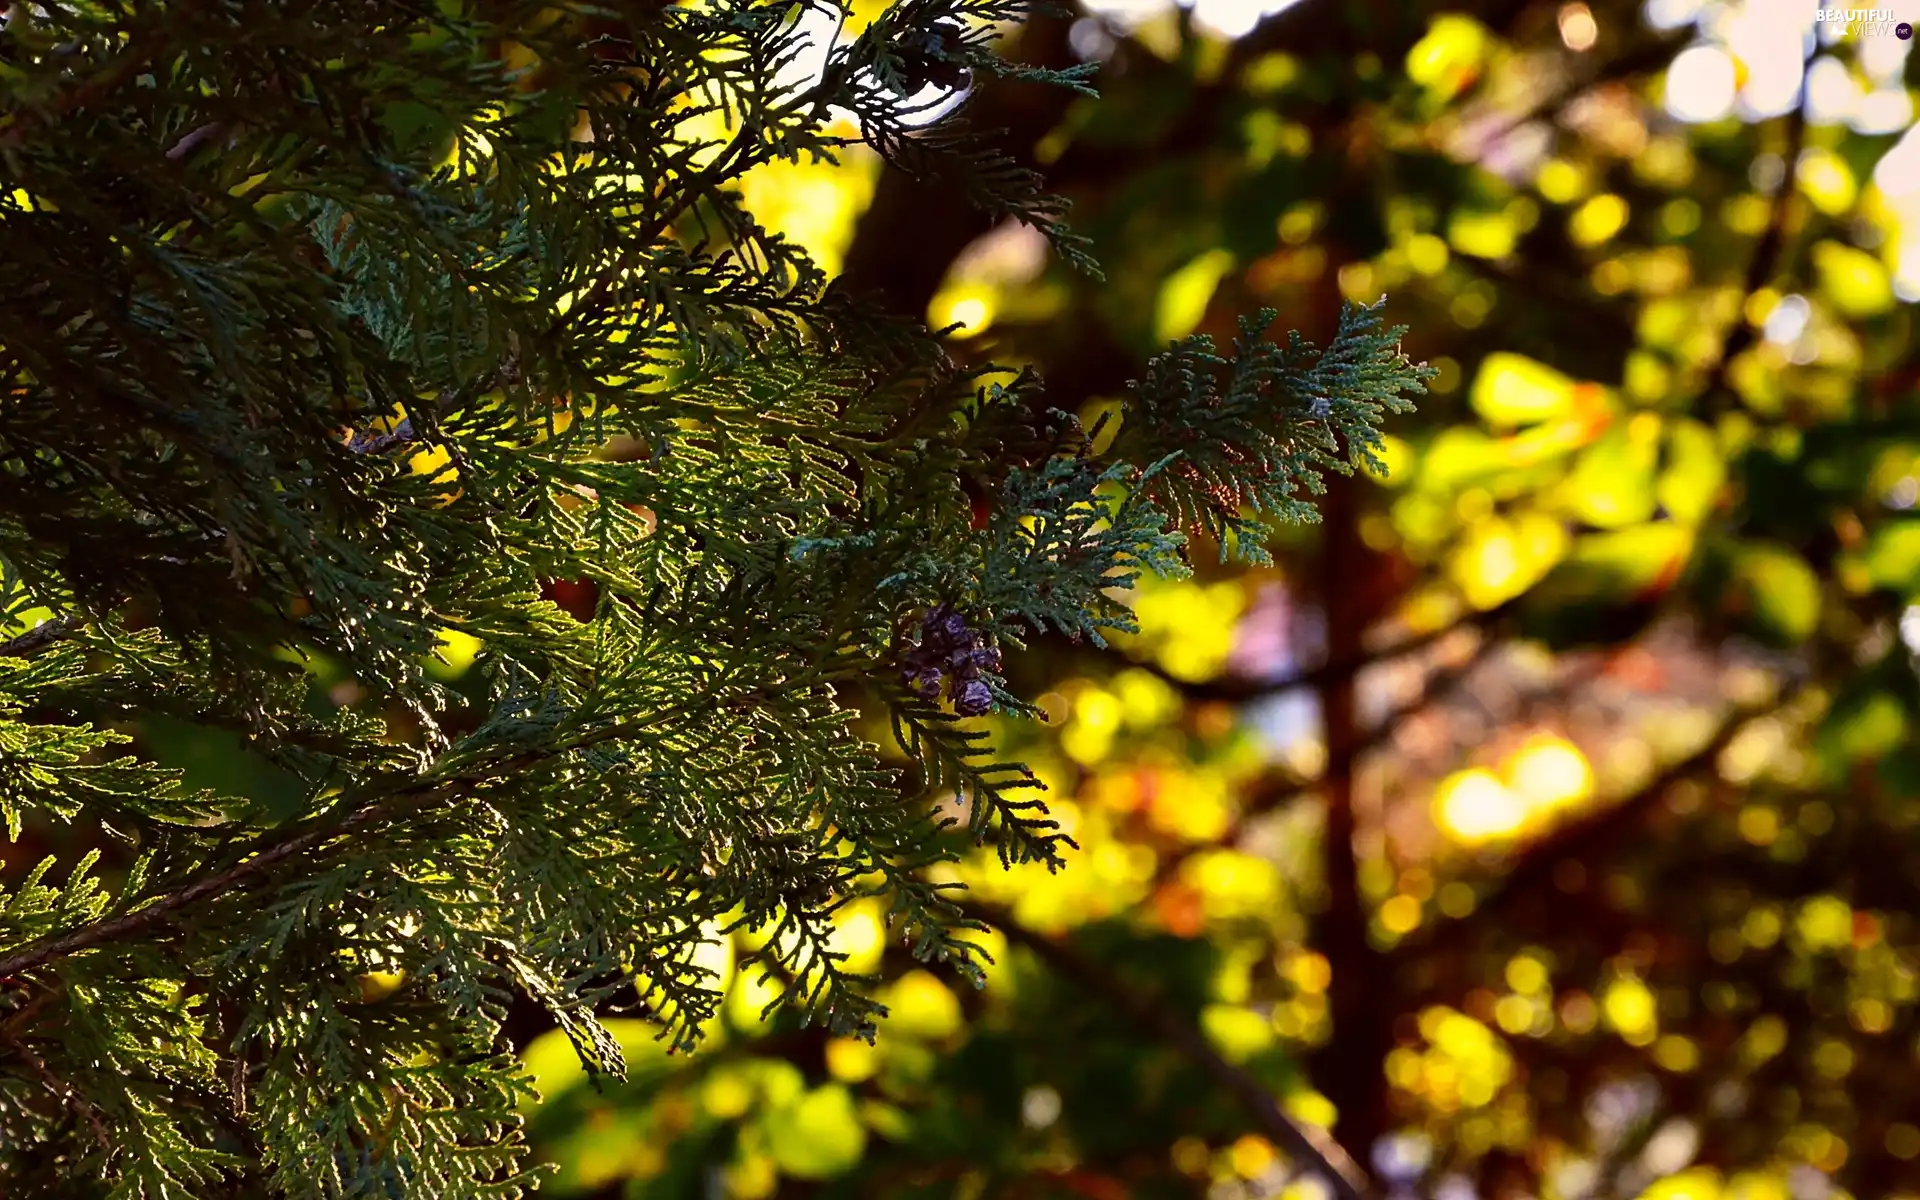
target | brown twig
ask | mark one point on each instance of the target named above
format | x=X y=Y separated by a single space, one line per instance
x=1304 y=1143
x=34 y=640
x=162 y=910
x=1553 y=106
x=1763 y=264
x=58 y=1088
x=1241 y=689
x=348 y=817
x=1579 y=839
x=137 y=56
x=197 y=138
x=1439 y=686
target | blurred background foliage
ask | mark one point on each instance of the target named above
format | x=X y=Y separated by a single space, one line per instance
x=1546 y=822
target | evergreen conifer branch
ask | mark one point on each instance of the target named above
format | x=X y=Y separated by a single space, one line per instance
x=335 y=335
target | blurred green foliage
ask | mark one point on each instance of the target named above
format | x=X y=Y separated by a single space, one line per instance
x=1611 y=678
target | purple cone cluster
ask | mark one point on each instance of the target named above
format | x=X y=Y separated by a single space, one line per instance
x=949 y=654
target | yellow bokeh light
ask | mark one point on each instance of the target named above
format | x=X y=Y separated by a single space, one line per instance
x=972 y=310
x=1308 y=971
x=1251 y=1156
x=1903 y=1141
x=1560 y=181
x=1630 y=1009
x=727 y=1094
x=1676 y=1053
x=919 y=1005
x=1550 y=772
x=1474 y=806
x=1312 y=1108
x=1448 y=58
x=1701 y=1183
x=1526 y=974
x=1825 y=179
x=851 y=1060
x=1400 y=915
x=1578 y=30
x=1513 y=1013
x=1457 y=900
x=1759 y=824
x=860 y=932
x=1190 y=1156
x=1427 y=254
x=1825 y=923
x=1598 y=219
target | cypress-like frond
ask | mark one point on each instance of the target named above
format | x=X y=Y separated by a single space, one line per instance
x=332 y=338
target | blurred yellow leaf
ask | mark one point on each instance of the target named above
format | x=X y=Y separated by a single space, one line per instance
x=455 y=654
x=919 y=1005
x=378 y=985
x=1855 y=281
x=1689 y=486
x=1825 y=179
x=1459 y=457
x=817 y=1137
x=1612 y=483
x=968 y=309
x=1448 y=58
x=1618 y=566
x=851 y=1060
x=860 y=932
x=728 y=1093
x=1513 y=390
x=1501 y=559
x=1893 y=556
x=1483 y=234
x=1864 y=726
x=1186 y=293
x=1233 y=884
x=814 y=204
x=1598 y=219
x=1238 y=1033
x=1781 y=591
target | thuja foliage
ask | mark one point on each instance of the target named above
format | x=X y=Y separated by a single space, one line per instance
x=331 y=332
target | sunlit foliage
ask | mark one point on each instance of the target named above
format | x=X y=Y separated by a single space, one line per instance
x=1629 y=750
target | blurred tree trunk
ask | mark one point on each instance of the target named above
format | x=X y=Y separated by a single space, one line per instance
x=1349 y=1069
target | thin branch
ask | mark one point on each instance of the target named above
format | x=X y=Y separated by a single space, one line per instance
x=1580 y=839
x=135 y=60
x=1765 y=261
x=59 y=1088
x=1240 y=689
x=1629 y=63
x=185 y=147
x=1438 y=686
x=349 y=816
x=1304 y=1143
x=45 y=634
x=161 y=911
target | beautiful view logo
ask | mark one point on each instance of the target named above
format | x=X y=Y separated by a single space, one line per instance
x=1865 y=22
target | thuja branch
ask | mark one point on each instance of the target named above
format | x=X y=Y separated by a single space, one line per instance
x=45 y=634
x=354 y=815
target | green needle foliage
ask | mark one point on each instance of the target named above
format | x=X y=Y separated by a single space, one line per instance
x=331 y=331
